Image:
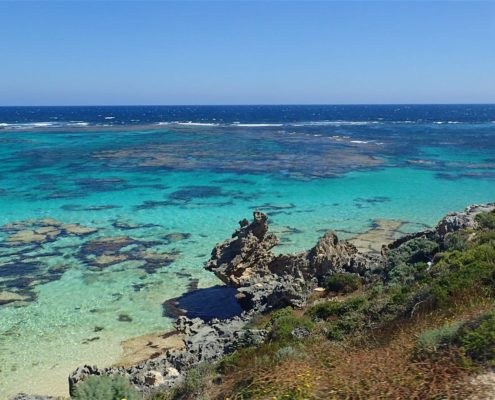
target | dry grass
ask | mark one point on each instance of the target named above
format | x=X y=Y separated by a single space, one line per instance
x=379 y=365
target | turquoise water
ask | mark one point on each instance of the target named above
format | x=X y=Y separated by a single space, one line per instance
x=170 y=194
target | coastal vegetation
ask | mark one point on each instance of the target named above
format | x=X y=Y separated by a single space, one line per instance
x=423 y=329
x=105 y=387
x=422 y=332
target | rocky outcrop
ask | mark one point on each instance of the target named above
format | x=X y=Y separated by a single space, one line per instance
x=204 y=342
x=466 y=219
x=246 y=254
x=267 y=281
x=451 y=223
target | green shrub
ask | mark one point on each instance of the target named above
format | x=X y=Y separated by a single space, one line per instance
x=408 y=274
x=338 y=329
x=457 y=241
x=486 y=237
x=283 y=312
x=430 y=341
x=413 y=251
x=343 y=283
x=459 y=272
x=342 y=317
x=328 y=309
x=105 y=388
x=478 y=339
x=486 y=220
x=283 y=327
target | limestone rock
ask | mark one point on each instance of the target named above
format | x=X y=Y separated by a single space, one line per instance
x=266 y=281
x=461 y=220
x=245 y=254
x=154 y=378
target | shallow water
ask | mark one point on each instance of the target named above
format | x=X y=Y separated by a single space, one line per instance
x=169 y=192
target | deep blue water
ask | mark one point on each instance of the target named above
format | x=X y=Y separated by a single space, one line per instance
x=144 y=115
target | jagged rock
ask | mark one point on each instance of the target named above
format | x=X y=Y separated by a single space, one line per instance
x=247 y=253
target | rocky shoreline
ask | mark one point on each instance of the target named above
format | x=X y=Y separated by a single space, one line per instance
x=264 y=281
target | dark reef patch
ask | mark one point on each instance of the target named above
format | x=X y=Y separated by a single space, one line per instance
x=77 y=207
x=89 y=340
x=274 y=207
x=102 y=184
x=189 y=193
x=109 y=245
x=489 y=175
x=235 y=181
x=372 y=200
x=125 y=226
x=176 y=237
x=19 y=269
x=151 y=204
x=192 y=285
x=124 y=318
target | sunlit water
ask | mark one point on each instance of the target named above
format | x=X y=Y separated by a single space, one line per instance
x=177 y=189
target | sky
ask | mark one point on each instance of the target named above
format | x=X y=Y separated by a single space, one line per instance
x=241 y=52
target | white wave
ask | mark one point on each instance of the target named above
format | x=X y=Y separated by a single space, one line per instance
x=359 y=141
x=34 y=125
x=41 y=124
x=197 y=123
x=188 y=123
x=257 y=125
x=335 y=123
x=109 y=117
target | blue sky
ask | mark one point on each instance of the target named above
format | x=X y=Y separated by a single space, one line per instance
x=239 y=52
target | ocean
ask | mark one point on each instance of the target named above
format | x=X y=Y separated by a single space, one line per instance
x=108 y=212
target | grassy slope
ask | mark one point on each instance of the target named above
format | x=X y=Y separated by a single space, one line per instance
x=421 y=333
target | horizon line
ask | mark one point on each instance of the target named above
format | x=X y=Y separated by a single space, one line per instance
x=249 y=104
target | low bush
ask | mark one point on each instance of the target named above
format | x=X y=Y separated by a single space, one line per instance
x=343 y=283
x=486 y=221
x=288 y=352
x=328 y=309
x=284 y=329
x=477 y=339
x=413 y=251
x=431 y=341
x=105 y=388
x=457 y=241
x=462 y=272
